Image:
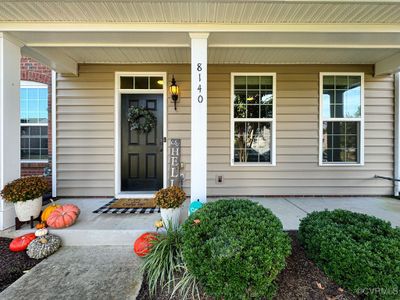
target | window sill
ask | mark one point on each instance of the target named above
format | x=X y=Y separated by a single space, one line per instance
x=34 y=161
x=253 y=164
x=341 y=165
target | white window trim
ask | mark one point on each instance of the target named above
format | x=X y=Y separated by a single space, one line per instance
x=321 y=120
x=272 y=120
x=33 y=85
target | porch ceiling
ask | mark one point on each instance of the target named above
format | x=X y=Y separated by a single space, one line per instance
x=204 y=11
x=65 y=33
x=228 y=55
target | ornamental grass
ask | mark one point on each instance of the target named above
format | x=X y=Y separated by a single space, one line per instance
x=24 y=189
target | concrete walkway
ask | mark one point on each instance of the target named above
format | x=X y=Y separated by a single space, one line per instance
x=81 y=273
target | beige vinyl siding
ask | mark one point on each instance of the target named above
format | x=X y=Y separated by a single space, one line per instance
x=85 y=133
x=297 y=137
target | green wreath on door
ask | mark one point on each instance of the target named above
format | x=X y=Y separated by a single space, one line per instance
x=141 y=119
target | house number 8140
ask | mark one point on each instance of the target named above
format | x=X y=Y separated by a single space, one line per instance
x=200 y=98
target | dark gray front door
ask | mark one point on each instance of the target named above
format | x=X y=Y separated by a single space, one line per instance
x=141 y=154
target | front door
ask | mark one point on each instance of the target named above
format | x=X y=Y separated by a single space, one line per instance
x=141 y=154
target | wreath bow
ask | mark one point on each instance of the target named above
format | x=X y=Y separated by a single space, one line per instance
x=141 y=119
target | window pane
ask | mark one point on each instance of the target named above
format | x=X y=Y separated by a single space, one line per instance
x=240 y=97
x=141 y=83
x=341 y=97
x=34 y=142
x=341 y=141
x=252 y=142
x=253 y=82
x=240 y=82
x=266 y=82
x=239 y=111
x=156 y=82
x=253 y=97
x=126 y=82
x=253 y=111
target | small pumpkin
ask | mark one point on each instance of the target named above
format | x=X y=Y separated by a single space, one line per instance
x=143 y=243
x=63 y=216
x=48 y=210
x=40 y=225
x=21 y=243
x=41 y=232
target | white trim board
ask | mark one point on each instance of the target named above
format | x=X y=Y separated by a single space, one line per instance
x=54 y=133
x=321 y=120
x=272 y=120
x=117 y=131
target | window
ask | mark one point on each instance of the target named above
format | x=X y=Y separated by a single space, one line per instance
x=34 y=121
x=253 y=119
x=342 y=119
x=141 y=82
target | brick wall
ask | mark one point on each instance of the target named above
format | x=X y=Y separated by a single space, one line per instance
x=31 y=70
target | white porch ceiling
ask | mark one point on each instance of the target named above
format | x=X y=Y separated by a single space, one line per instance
x=181 y=55
x=203 y=11
x=65 y=33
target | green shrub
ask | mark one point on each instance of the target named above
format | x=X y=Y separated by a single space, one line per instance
x=359 y=252
x=235 y=248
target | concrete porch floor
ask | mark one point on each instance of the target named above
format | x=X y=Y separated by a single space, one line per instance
x=112 y=229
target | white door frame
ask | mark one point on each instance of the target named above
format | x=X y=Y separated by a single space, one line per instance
x=117 y=129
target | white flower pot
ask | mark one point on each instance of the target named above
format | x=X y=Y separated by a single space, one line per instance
x=170 y=216
x=25 y=209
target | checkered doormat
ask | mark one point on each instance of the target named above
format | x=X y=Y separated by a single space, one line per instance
x=106 y=209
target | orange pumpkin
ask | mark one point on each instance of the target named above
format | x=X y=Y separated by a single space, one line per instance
x=48 y=210
x=41 y=225
x=63 y=216
x=143 y=243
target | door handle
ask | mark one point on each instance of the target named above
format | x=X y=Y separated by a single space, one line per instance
x=162 y=140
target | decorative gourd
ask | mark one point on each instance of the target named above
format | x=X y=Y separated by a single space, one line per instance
x=41 y=232
x=48 y=210
x=63 y=216
x=143 y=243
x=42 y=247
x=21 y=243
x=158 y=224
x=40 y=225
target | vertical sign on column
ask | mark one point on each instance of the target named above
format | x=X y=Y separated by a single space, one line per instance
x=198 y=177
x=175 y=162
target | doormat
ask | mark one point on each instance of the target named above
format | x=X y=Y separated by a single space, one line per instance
x=109 y=209
x=134 y=203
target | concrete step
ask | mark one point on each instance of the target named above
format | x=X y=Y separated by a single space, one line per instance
x=82 y=237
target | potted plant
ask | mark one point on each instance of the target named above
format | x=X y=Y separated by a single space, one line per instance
x=170 y=200
x=26 y=194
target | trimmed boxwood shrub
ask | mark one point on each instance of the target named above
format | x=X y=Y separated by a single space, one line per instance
x=359 y=252
x=235 y=248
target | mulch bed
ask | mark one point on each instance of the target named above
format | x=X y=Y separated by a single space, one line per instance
x=301 y=279
x=13 y=264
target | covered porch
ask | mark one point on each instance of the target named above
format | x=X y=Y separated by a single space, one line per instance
x=122 y=229
x=245 y=37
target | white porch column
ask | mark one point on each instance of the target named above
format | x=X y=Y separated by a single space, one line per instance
x=198 y=173
x=10 y=55
x=397 y=134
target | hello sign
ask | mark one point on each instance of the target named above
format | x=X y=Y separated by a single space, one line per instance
x=175 y=162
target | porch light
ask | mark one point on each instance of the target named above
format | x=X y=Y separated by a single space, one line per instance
x=174 y=89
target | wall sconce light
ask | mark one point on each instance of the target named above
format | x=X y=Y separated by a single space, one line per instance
x=174 y=89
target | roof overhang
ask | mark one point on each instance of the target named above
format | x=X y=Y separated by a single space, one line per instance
x=63 y=34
